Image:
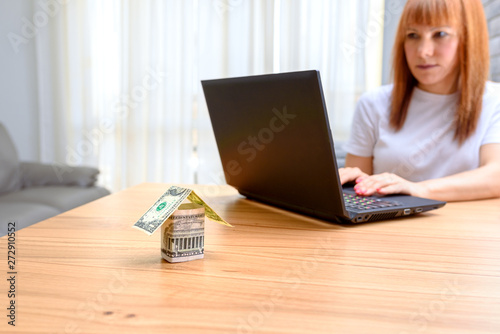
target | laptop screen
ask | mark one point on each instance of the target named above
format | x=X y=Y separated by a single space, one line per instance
x=274 y=140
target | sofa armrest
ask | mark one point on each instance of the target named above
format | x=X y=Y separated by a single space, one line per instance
x=39 y=174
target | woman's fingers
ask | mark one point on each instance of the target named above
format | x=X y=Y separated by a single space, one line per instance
x=349 y=174
x=383 y=184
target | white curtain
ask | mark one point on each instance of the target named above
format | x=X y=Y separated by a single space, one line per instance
x=119 y=81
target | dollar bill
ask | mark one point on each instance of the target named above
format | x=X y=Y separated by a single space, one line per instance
x=162 y=209
x=209 y=212
x=167 y=204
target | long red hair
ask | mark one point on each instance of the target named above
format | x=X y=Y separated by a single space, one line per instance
x=473 y=56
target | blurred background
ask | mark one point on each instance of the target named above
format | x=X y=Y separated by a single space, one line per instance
x=115 y=84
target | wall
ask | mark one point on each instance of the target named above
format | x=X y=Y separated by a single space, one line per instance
x=393 y=10
x=492 y=10
x=18 y=93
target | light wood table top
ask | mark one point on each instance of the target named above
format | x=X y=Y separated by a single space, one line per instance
x=88 y=271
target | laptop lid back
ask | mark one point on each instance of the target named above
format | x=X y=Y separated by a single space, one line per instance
x=274 y=140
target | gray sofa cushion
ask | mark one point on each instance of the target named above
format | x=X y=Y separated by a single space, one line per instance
x=31 y=192
x=38 y=174
x=62 y=198
x=10 y=174
x=24 y=214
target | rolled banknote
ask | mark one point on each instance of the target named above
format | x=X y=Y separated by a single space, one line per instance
x=182 y=234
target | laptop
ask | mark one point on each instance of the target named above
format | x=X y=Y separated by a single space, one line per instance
x=276 y=147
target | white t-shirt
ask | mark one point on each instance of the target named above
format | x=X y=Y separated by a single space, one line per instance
x=424 y=147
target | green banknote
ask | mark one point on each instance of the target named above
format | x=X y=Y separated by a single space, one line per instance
x=209 y=212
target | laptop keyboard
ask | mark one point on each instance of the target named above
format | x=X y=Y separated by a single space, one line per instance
x=364 y=203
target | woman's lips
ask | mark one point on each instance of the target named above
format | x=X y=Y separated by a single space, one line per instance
x=426 y=67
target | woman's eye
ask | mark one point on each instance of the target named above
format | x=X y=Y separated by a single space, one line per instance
x=441 y=34
x=412 y=35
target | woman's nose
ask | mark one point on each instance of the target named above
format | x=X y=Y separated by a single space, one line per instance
x=425 y=48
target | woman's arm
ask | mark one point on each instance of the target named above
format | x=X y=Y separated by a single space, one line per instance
x=356 y=168
x=479 y=183
x=363 y=163
x=482 y=182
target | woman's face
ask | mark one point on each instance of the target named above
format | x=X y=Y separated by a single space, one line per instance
x=431 y=53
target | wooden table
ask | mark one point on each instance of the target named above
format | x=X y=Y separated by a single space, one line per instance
x=88 y=271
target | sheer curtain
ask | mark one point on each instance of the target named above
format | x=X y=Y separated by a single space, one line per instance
x=119 y=81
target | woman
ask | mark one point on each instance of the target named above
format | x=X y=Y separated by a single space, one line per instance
x=435 y=132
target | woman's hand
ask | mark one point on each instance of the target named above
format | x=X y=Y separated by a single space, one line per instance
x=387 y=183
x=350 y=174
x=382 y=184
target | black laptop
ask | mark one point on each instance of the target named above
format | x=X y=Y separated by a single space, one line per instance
x=275 y=143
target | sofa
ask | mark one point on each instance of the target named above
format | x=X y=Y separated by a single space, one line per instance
x=31 y=192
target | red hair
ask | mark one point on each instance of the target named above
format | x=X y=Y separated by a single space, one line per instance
x=473 y=56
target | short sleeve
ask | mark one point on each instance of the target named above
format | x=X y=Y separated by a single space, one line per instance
x=364 y=130
x=492 y=134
